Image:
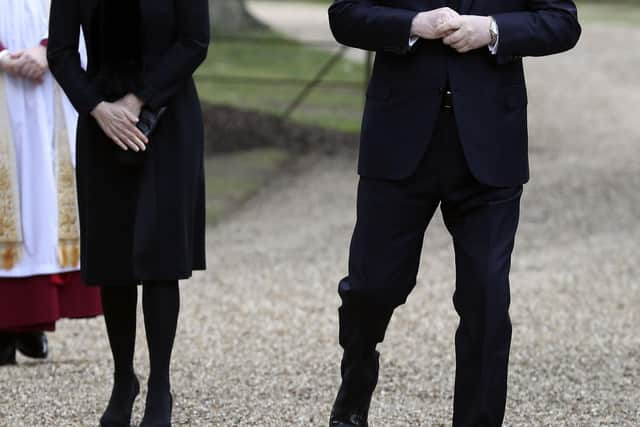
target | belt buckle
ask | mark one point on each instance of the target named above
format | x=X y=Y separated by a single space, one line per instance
x=447 y=100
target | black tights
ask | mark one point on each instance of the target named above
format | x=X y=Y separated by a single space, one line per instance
x=161 y=305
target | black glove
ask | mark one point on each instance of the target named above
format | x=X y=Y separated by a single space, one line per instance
x=148 y=120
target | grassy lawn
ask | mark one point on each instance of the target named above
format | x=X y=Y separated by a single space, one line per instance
x=622 y=12
x=336 y=107
x=233 y=178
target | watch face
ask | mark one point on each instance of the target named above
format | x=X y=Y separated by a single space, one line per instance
x=493 y=29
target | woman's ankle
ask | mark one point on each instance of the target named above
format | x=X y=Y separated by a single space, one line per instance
x=127 y=377
x=159 y=387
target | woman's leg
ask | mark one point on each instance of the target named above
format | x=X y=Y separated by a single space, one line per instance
x=161 y=305
x=119 y=305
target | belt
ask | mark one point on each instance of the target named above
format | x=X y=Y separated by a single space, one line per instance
x=447 y=100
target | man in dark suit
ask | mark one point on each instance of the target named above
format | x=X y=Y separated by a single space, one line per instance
x=445 y=123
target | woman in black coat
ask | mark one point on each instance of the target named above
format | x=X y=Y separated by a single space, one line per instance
x=141 y=195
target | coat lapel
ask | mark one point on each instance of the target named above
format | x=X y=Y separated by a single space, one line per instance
x=92 y=7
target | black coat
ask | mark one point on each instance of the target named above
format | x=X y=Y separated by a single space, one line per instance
x=142 y=220
x=489 y=92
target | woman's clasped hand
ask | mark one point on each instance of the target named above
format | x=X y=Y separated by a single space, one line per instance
x=118 y=121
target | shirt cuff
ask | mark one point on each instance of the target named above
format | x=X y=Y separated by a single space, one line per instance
x=413 y=40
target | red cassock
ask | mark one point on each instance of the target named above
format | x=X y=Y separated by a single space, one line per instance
x=35 y=303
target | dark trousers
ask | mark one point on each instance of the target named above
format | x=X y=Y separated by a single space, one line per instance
x=383 y=265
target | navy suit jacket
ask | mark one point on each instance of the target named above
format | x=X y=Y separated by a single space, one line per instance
x=490 y=95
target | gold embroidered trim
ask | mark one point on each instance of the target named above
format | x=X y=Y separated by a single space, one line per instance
x=68 y=225
x=10 y=225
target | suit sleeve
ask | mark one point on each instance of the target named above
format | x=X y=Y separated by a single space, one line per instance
x=64 y=58
x=183 y=58
x=545 y=28
x=363 y=24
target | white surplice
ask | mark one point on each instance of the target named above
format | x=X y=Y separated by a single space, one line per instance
x=32 y=112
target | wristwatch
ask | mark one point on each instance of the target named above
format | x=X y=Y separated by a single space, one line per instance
x=493 y=31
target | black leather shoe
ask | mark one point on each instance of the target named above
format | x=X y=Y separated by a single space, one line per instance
x=7 y=349
x=359 y=379
x=151 y=419
x=349 y=414
x=118 y=412
x=33 y=344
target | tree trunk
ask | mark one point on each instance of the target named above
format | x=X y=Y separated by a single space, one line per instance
x=228 y=16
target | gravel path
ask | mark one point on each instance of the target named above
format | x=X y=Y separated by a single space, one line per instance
x=257 y=344
x=302 y=21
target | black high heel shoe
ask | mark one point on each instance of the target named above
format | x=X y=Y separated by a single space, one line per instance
x=120 y=408
x=7 y=349
x=147 y=422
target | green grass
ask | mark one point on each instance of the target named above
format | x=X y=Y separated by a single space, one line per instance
x=233 y=178
x=335 y=107
x=619 y=12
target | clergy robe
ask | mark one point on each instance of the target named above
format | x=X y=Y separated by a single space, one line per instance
x=37 y=127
